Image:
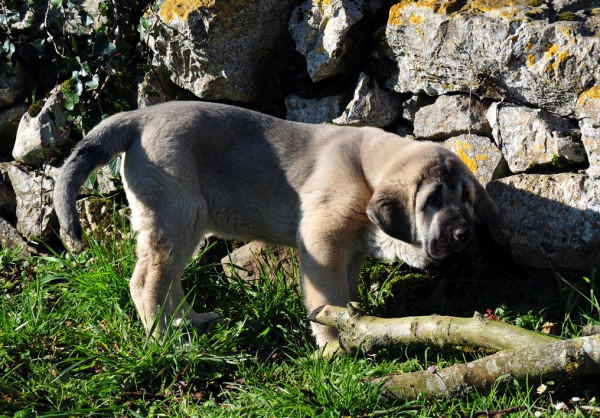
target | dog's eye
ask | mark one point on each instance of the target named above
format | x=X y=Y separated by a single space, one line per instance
x=433 y=200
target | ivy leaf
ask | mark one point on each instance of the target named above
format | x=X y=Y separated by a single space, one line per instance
x=115 y=166
x=89 y=20
x=93 y=83
x=102 y=46
x=92 y=182
x=33 y=50
x=85 y=69
x=71 y=99
x=56 y=3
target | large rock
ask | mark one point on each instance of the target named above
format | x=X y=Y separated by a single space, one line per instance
x=452 y=116
x=315 y=109
x=495 y=49
x=33 y=190
x=322 y=32
x=371 y=105
x=37 y=135
x=232 y=50
x=250 y=260
x=531 y=138
x=588 y=113
x=550 y=220
x=412 y=105
x=480 y=154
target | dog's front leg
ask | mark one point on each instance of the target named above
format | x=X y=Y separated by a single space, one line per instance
x=324 y=281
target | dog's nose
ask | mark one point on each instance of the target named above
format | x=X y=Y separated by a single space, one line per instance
x=463 y=234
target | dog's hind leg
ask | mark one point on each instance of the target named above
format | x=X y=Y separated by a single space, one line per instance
x=166 y=241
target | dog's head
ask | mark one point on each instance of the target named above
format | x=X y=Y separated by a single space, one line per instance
x=430 y=201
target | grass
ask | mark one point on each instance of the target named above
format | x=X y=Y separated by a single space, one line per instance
x=71 y=343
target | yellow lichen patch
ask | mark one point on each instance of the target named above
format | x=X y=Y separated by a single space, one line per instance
x=416 y=19
x=566 y=31
x=322 y=4
x=319 y=50
x=528 y=46
x=509 y=13
x=530 y=60
x=395 y=17
x=593 y=93
x=460 y=151
x=481 y=157
x=562 y=57
x=171 y=9
x=552 y=50
x=489 y=5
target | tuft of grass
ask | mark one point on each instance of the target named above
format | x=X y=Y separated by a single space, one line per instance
x=71 y=343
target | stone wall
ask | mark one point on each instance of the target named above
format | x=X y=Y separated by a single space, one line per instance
x=512 y=87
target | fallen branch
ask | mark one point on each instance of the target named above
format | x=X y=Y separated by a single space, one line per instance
x=531 y=356
x=574 y=358
x=368 y=332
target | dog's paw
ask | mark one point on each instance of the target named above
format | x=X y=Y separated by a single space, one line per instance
x=329 y=351
x=205 y=323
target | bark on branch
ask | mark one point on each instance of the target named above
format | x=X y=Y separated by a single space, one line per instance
x=564 y=359
x=368 y=332
x=530 y=355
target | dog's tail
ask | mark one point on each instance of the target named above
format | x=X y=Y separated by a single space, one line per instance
x=111 y=137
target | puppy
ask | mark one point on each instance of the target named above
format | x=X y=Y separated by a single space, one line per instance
x=335 y=193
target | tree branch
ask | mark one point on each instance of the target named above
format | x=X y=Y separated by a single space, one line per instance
x=565 y=359
x=527 y=355
x=368 y=332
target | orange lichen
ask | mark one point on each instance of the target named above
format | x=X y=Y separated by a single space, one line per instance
x=593 y=93
x=395 y=17
x=530 y=60
x=438 y=6
x=489 y=5
x=172 y=9
x=460 y=151
x=552 y=50
x=415 y=19
x=562 y=57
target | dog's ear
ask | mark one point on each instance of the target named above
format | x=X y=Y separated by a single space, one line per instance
x=486 y=209
x=392 y=210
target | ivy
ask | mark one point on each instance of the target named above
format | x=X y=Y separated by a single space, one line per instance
x=96 y=55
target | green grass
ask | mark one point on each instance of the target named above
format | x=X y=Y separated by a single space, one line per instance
x=71 y=343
